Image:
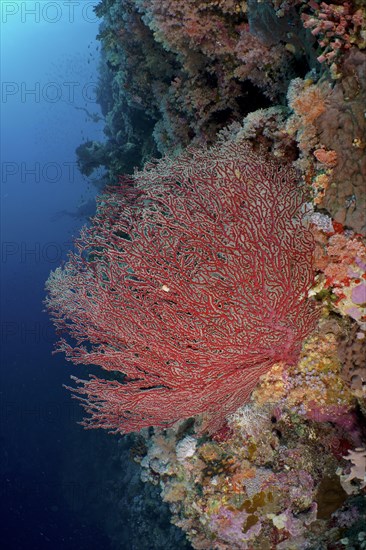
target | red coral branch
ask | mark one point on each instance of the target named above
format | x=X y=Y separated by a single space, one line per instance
x=192 y=287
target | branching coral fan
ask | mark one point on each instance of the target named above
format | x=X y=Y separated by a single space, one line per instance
x=191 y=282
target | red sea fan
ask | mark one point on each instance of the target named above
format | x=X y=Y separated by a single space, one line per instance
x=191 y=283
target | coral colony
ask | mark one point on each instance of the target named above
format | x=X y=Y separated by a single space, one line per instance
x=192 y=288
x=221 y=285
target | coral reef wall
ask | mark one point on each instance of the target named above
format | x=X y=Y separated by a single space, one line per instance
x=223 y=288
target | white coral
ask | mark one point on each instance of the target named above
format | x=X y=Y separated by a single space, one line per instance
x=186 y=448
x=249 y=419
x=358 y=470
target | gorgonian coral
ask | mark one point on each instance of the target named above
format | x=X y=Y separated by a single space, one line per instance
x=192 y=283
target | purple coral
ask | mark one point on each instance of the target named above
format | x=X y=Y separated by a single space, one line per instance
x=230 y=525
x=359 y=294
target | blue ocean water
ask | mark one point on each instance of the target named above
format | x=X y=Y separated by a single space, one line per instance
x=49 y=67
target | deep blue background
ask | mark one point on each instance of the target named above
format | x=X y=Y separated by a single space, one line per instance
x=50 y=48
